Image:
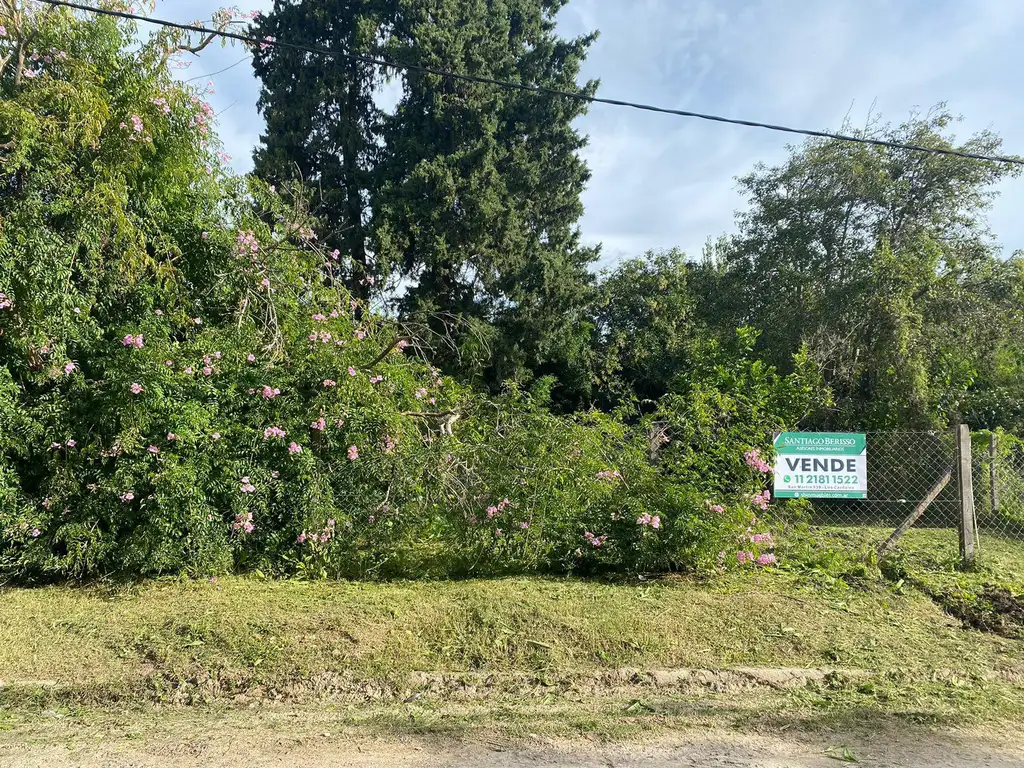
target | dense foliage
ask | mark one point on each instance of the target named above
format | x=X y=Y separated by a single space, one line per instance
x=880 y=261
x=186 y=383
x=397 y=363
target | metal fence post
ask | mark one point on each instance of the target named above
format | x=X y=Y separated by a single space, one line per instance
x=993 y=476
x=966 y=488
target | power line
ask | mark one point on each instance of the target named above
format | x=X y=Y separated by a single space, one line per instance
x=219 y=71
x=534 y=88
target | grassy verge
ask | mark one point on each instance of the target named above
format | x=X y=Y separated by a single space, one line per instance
x=534 y=653
x=989 y=596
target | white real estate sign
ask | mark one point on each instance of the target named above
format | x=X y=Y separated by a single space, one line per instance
x=823 y=465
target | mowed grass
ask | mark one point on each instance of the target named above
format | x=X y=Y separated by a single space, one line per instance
x=241 y=632
x=931 y=557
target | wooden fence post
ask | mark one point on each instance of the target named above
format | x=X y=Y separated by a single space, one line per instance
x=966 y=488
x=993 y=474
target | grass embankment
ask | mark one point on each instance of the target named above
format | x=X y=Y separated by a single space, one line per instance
x=989 y=596
x=533 y=650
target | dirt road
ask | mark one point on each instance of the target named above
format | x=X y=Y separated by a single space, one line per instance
x=236 y=746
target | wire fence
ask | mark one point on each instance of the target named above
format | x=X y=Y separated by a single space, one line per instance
x=913 y=481
x=903 y=470
x=998 y=471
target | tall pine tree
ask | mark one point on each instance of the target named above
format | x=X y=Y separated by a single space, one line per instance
x=469 y=193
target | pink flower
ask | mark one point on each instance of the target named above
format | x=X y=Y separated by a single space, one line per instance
x=611 y=475
x=360 y=334
x=265 y=282
x=69 y=367
x=294 y=448
x=127 y=496
x=301 y=539
x=319 y=317
x=275 y=474
x=169 y=363
x=761 y=499
x=270 y=432
x=320 y=424
x=376 y=379
x=251 y=357
x=217 y=355
x=328 y=383
x=594 y=541
x=491 y=512
x=744 y=557
x=197 y=320
x=71 y=443
x=762 y=538
x=247 y=487
x=270 y=393
x=351 y=371
x=353 y=453
x=35 y=533
x=767 y=559
x=524 y=525
x=205 y=235
x=420 y=393
x=159 y=313
x=754 y=461
x=153 y=450
x=215 y=436
x=55 y=446
x=207 y=371
x=335 y=254
x=136 y=388
x=190 y=370
x=171 y=436
x=402 y=344
x=717 y=508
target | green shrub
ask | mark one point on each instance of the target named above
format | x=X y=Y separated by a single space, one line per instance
x=185 y=387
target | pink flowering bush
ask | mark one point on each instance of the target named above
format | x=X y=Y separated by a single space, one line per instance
x=185 y=388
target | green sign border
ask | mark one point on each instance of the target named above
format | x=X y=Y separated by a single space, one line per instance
x=832 y=443
x=821 y=494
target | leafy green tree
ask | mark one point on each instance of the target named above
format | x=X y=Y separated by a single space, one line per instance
x=465 y=194
x=880 y=260
x=646 y=328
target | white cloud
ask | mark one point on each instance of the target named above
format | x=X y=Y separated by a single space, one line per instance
x=660 y=181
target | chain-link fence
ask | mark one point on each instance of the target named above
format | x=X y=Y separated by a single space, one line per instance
x=913 y=481
x=904 y=470
x=998 y=471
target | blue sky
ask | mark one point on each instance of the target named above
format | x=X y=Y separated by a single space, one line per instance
x=661 y=181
